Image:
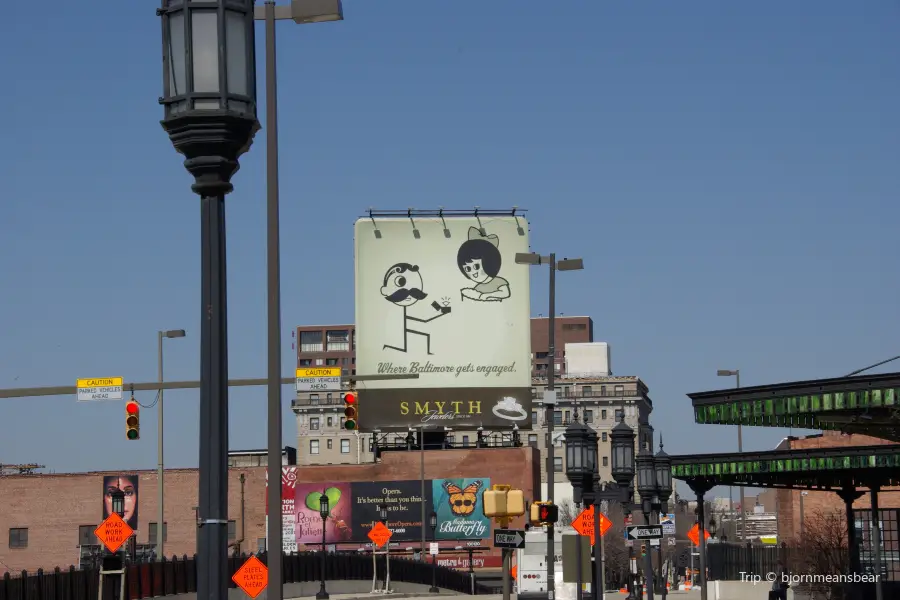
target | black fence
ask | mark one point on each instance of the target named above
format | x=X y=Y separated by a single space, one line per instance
x=179 y=576
x=727 y=561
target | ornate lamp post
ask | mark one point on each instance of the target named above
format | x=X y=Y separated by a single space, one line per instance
x=663 y=465
x=581 y=462
x=622 y=443
x=209 y=101
x=712 y=527
x=323 y=512
x=432 y=522
x=646 y=485
x=118 y=503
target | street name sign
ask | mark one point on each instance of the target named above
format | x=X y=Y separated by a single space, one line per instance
x=509 y=538
x=98 y=389
x=319 y=379
x=252 y=577
x=113 y=532
x=645 y=532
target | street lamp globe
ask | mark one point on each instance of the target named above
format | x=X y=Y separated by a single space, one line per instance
x=382 y=512
x=209 y=86
x=432 y=520
x=663 y=464
x=622 y=443
x=118 y=502
x=578 y=465
x=712 y=526
x=646 y=475
x=323 y=506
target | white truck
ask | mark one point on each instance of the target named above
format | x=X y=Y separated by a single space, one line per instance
x=531 y=567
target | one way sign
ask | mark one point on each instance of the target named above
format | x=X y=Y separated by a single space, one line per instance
x=645 y=532
x=509 y=538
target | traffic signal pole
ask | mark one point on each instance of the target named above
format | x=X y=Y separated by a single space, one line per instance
x=548 y=415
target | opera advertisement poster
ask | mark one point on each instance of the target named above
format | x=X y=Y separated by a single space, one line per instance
x=443 y=298
x=353 y=509
x=127 y=486
x=288 y=509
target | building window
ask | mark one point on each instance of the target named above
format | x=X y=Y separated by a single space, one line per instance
x=574 y=326
x=320 y=362
x=330 y=421
x=605 y=461
x=603 y=390
x=331 y=362
x=260 y=545
x=328 y=398
x=342 y=421
x=305 y=362
x=311 y=341
x=566 y=416
x=541 y=355
x=588 y=416
x=314 y=423
x=532 y=440
x=232 y=530
x=604 y=437
x=345 y=446
x=338 y=340
x=328 y=443
x=619 y=390
x=152 y=539
x=620 y=414
x=534 y=417
x=557 y=417
x=586 y=391
x=314 y=399
x=345 y=361
x=86 y=535
x=557 y=464
x=603 y=414
x=465 y=441
x=313 y=446
x=18 y=537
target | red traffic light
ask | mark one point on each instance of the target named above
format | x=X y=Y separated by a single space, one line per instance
x=132 y=407
x=350 y=398
x=545 y=513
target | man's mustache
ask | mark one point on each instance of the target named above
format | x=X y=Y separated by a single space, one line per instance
x=403 y=293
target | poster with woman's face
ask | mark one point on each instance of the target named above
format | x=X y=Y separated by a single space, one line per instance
x=128 y=485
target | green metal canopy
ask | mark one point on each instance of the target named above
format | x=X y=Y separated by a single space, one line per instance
x=814 y=468
x=868 y=405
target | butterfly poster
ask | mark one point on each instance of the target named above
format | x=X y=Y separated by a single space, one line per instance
x=458 y=503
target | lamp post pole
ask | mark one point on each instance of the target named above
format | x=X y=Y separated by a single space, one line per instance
x=210 y=116
x=574 y=264
x=433 y=522
x=736 y=373
x=269 y=13
x=324 y=509
x=161 y=473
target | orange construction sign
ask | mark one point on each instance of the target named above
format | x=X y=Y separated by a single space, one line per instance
x=694 y=534
x=252 y=577
x=584 y=524
x=113 y=532
x=379 y=534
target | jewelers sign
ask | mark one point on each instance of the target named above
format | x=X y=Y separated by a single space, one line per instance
x=443 y=298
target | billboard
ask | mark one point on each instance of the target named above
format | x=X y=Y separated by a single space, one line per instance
x=128 y=485
x=353 y=508
x=288 y=509
x=459 y=509
x=443 y=298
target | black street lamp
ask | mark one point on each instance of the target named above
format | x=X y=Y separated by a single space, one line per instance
x=622 y=445
x=118 y=502
x=712 y=527
x=663 y=465
x=432 y=522
x=323 y=512
x=382 y=512
x=209 y=100
x=646 y=486
x=581 y=464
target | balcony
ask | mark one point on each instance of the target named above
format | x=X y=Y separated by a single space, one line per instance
x=572 y=396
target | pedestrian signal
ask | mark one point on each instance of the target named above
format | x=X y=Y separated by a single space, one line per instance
x=643 y=549
x=544 y=513
x=132 y=420
x=351 y=421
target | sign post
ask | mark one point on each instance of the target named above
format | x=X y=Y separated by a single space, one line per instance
x=319 y=379
x=381 y=535
x=113 y=533
x=99 y=389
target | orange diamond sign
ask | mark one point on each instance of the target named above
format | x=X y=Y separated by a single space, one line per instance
x=694 y=534
x=113 y=532
x=252 y=577
x=584 y=524
x=379 y=534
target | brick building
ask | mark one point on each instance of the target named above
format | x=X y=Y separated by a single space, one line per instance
x=821 y=502
x=48 y=517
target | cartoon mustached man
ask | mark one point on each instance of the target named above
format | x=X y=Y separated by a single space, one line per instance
x=403 y=286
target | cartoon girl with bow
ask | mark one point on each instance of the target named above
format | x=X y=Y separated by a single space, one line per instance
x=479 y=260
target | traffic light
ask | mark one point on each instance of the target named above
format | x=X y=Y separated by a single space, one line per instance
x=132 y=420
x=643 y=550
x=544 y=513
x=351 y=411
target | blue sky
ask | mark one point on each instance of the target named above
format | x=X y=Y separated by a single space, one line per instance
x=728 y=171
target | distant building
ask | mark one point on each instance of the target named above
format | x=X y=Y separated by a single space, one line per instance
x=260 y=458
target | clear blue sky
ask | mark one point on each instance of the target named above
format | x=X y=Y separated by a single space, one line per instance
x=728 y=171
